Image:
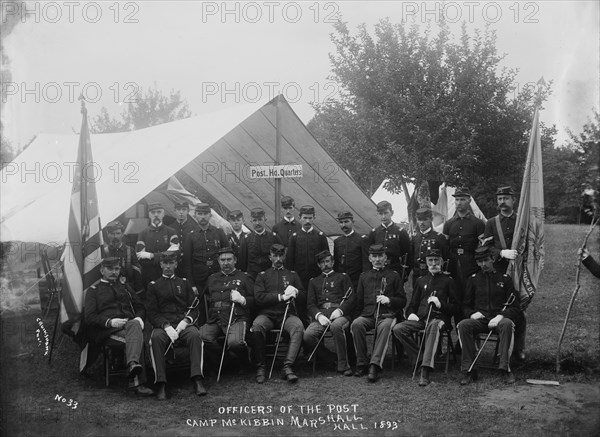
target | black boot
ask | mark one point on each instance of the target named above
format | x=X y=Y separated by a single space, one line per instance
x=424 y=380
x=161 y=391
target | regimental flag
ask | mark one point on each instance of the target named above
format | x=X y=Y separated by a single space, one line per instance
x=82 y=254
x=528 y=238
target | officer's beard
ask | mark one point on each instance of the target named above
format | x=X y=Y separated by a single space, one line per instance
x=115 y=242
x=156 y=222
x=434 y=270
x=277 y=264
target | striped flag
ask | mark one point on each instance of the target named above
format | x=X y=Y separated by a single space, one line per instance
x=82 y=254
x=529 y=231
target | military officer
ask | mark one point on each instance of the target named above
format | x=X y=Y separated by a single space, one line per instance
x=380 y=299
x=173 y=311
x=395 y=240
x=255 y=246
x=114 y=247
x=275 y=289
x=435 y=296
x=288 y=225
x=184 y=224
x=350 y=250
x=154 y=240
x=330 y=303
x=236 y=220
x=425 y=239
x=490 y=303
x=223 y=289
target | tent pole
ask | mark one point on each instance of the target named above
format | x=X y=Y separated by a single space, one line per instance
x=277 y=158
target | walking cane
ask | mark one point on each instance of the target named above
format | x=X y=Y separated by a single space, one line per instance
x=423 y=338
x=383 y=285
x=510 y=300
x=287 y=306
x=346 y=296
x=194 y=304
x=225 y=344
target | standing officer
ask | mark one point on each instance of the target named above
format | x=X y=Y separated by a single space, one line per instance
x=275 y=289
x=380 y=295
x=433 y=292
x=112 y=309
x=350 y=250
x=201 y=248
x=255 y=246
x=325 y=295
x=423 y=241
x=173 y=311
x=236 y=220
x=184 y=225
x=490 y=303
x=223 y=289
x=115 y=248
x=152 y=241
x=288 y=225
x=394 y=239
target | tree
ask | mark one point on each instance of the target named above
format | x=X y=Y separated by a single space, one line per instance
x=151 y=108
x=416 y=107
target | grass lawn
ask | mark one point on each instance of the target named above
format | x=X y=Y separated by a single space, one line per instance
x=326 y=404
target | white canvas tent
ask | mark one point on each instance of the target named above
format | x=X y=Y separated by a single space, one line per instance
x=216 y=150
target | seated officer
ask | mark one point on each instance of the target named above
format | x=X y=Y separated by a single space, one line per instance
x=431 y=307
x=113 y=310
x=490 y=304
x=223 y=289
x=330 y=303
x=380 y=298
x=274 y=293
x=173 y=310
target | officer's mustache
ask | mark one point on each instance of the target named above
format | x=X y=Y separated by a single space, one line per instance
x=156 y=220
x=345 y=228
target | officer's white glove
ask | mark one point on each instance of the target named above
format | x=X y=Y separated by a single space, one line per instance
x=173 y=335
x=382 y=299
x=290 y=291
x=441 y=325
x=477 y=316
x=324 y=321
x=181 y=326
x=237 y=297
x=494 y=322
x=583 y=253
x=117 y=322
x=337 y=313
x=413 y=317
x=145 y=255
x=434 y=300
x=508 y=253
x=195 y=290
x=174 y=247
x=140 y=321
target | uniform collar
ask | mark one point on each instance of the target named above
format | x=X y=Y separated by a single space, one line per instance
x=291 y=221
x=277 y=268
x=228 y=274
x=183 y=222
x=261 y=233
x=347 y=235
x=427 y=231
x=327 y=275
x=310 y=230
x=107 y=282
x=169 y=277
x=388 y=226
x=156 y=227
x=240 y=234
x=513 y=215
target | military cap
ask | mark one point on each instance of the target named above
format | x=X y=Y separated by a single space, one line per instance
x=423 y=213
x=507 y=190
x=287 y=201
x=155 y=205
x=482 y=252
x=203 y=208
x=278 y=249
x=307 y=209
x=462 y=192
x=226 y=249
x=257 y=212
x=344 y=215
x=168 y=256
x=113 y=226
x=433 y=251
x=383 y=206
x=322 y=255
x=376 y=249
x=181 y=205
x=235 y=214
x=111 y=261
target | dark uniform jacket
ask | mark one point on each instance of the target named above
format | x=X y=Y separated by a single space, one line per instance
x=369 y=286
x=183 y=230
x=397 y=244
x=154 y=240
x=130 y=266
x=200 y=253
x=488 y=292
x=267 y=288
x=218 y=294
x=285 y=229
x=445 y=291
x=351 y=255
x=235 y=241
x=420 y=244
x=255 y=250
x=326 y=292
x=105 y=301
x=302 y=249
x=168 y=302
x=507 y=225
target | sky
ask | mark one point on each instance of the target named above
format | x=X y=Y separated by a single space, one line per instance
x=220 y=54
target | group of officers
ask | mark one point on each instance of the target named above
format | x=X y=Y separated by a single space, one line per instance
x=193 y=285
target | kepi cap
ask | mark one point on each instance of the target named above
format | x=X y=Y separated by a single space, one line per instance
x=226 y=249
x=423 y=213
x=507 y=190
x=287 y=201
x=322 y=255
x=203 y=208
x=113 y=226
x=181 y=205
x=433 y=251
x=169 y=256
x=257 y=212
x=307 y=209
x=278 y=249
x=462 y=192
x=384 y=205
x=154 y=206
x=344 y=215
x=376 y=249
x=482 y=252
x=110 y=261
x=235 y=214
